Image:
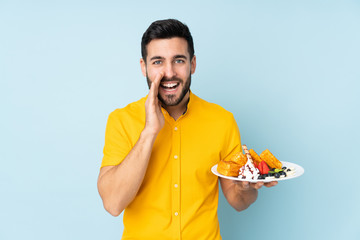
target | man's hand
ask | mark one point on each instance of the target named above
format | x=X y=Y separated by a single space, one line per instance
x=154 y=117
x=241 y=195
x=118 y=185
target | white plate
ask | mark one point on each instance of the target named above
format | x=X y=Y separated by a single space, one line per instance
x=297 y=168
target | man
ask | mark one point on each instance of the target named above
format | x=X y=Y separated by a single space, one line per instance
x=159 y=150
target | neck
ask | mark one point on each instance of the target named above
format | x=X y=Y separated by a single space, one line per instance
x=178 y=110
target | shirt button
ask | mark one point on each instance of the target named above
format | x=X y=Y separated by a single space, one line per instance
x=175 y=128
x=176 y=213
x=176 y=156
x=176 y=185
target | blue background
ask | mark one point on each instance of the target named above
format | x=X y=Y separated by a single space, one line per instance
x=288 y=70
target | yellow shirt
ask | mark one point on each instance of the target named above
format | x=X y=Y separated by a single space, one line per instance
x=178 y=198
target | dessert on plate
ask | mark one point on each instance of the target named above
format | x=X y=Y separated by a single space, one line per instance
x=251 y=166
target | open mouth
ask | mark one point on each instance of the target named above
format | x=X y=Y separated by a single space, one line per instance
x=169 y=85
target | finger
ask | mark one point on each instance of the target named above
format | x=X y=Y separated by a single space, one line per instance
x=271 y=184
x=154 y=88
x=258 y=185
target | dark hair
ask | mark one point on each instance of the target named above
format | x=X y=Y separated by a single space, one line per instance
x=163 y=29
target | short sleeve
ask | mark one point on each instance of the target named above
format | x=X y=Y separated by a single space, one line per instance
x=232 y=141
x=117 y=143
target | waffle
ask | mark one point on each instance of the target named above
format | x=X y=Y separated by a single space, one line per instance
x=238 y=158
x=270 y=159
x=230 y=169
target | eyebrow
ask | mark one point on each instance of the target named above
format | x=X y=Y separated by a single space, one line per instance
x=175 y=57
x=180 y=56
x=156 y=57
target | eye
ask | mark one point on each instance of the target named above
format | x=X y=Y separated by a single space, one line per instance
x=179 y=61
x=157 y=62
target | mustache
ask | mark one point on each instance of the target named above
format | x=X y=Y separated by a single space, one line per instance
x=165 y=79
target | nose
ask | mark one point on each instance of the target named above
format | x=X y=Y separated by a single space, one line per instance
x=169 y=71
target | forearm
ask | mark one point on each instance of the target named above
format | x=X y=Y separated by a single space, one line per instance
x=238 y=196
x=119 y=185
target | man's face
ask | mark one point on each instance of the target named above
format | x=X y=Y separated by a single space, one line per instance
x=171 y=57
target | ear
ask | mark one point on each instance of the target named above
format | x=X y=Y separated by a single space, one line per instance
x=193 y=64
x=143 y=66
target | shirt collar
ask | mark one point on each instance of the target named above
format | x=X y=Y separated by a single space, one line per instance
x=190 y=102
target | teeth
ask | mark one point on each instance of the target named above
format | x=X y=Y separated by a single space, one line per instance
x=169 y=85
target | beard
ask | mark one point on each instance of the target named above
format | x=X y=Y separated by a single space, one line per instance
x=170 y=99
